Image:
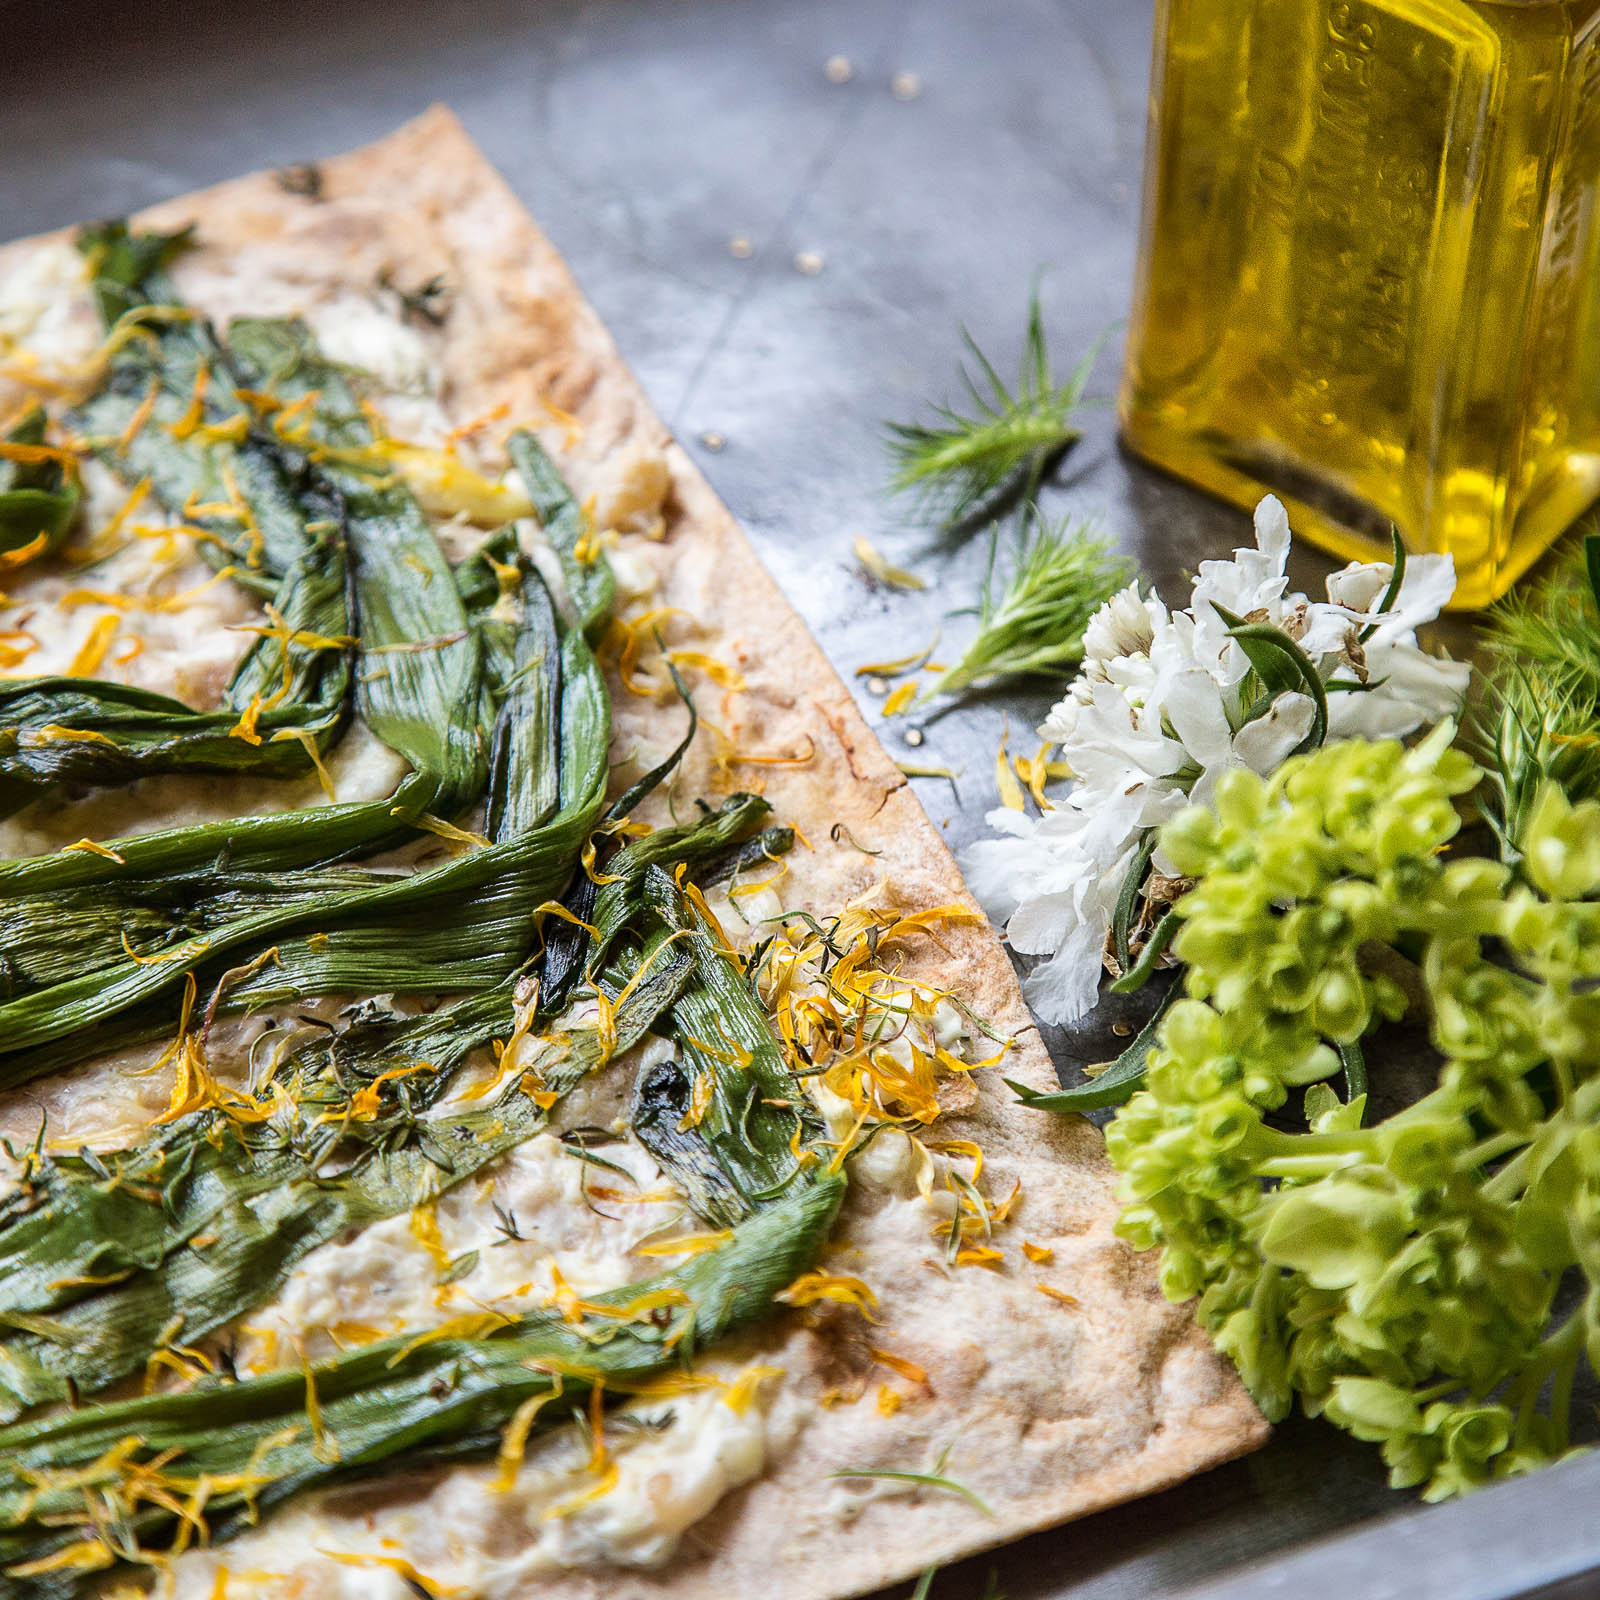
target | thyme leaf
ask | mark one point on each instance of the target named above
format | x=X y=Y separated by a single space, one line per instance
x=930 y=1480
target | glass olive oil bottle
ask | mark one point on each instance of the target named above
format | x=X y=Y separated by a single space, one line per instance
x=1368 y=279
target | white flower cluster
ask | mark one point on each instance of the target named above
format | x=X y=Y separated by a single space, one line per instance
x=1158 y=713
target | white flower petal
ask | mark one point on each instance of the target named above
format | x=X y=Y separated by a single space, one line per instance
x=1356 y=587
x=1425 y=591
x=1266 y=742
x=1272 y=530
x=1193 y=704
x=1123 y=626
x=998 y=873
x=1410 y=688
x=1044 y=922
x=1158 y=696
x=1067 y=986
x=1327 y=628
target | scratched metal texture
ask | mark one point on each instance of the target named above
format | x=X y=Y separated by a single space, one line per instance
x=647 y=136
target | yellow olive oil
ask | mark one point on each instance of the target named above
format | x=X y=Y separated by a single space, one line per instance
x=1368 y=279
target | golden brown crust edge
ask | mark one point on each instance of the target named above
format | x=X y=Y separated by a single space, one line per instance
x=1050 y=1412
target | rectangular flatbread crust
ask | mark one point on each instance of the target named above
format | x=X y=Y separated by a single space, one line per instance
x=1045 y=1410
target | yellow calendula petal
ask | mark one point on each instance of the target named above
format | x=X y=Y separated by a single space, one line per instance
x=684 y=1244
x=603 y=1486
x=892 y=669
x=90 y=847
x=719 y=672
x=474 y=1325
x=309 y=744
x=323 y=1444
x=54 y=733
x=1005 y=780
x=92 y=652
x=874 y=565
x=699 y=1101
x=245 y=727
x=810 y=1287
x=742 y=1391
x=141 y=602
x=425 y=1230
x=445 y=830
x=961 y=1147
x=901 y=697
x=398 y=1564
x=979 y=1255
x=908 y=1370
x=514 y=1443
x=82 y=1555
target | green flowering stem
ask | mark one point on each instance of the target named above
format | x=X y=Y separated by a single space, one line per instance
x=1556 y=1363
x=1155 y=947
x=1122 y=916
x=1283 y=668
x=1397 y=578
x=1355 y=1072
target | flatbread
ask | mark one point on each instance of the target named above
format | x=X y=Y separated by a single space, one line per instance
x=1045 y=1410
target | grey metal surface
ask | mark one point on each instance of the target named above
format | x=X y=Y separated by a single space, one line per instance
x=645 y=137
x=1535 y=1537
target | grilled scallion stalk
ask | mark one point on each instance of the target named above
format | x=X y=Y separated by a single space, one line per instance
x=93 y=938
x=748 y=1159
x=39 y=495
x=483 y=678
x=171 y=413
x=94 y=1275
x=79 y=1485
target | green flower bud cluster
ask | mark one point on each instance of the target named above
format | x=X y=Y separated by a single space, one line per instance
x=1399 y=1278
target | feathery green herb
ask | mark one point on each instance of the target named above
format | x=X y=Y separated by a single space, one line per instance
x=967 y=468
x=1061 y=578
x=1541 y=711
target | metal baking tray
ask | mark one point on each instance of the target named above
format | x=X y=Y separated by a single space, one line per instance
x=971 y=146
